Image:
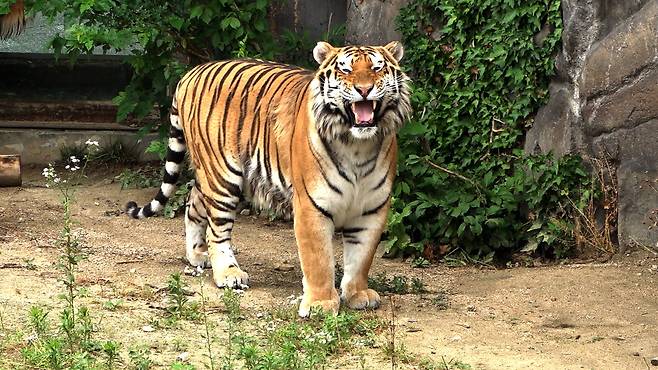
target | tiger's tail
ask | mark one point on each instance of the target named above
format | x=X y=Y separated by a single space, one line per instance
x=175 y=156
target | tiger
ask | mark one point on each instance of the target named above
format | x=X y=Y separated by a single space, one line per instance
x=12 y=23
x=320 y=144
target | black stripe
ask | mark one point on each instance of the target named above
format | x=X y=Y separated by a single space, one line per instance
x=212 y=230
x=193 y=218
x=379 y=185
x=320 y=209
x=376 y=209
x=221 y=221
x=169 y=178
x=282 y=180
x=160 y=197
x=146 y=211
x=353 y=230
x=232 y=188
x=368 y=172
x=198 y=213
x=176 y=157
x=322 y=172
x=332 y=156
x=229 y=206
x=177 y=133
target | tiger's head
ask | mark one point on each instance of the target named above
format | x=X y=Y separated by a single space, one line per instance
x=359 y=92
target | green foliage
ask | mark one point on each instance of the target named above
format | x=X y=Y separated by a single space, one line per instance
x=72 y=345
x=280 y=340
x=163 y=38
x=146 y=177
x=177 y=201
x=396 y=284
x=479 y=75
x=179 y=306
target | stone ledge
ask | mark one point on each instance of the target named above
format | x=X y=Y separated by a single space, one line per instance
x=626 y=50
x=42 y=146
x=626 y=108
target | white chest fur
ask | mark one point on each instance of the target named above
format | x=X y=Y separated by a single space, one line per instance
x=357 y=171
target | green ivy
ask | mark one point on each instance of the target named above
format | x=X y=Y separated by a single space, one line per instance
x=162 y=38
x=480 y=72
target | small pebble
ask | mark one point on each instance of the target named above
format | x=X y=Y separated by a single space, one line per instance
x=245 y=212
x=132 y=271
x=470 y=308
x=654 y=361
x=148 y=328
x=456 y=338
x=183 y=357
x=636 y=354
x=284 y=267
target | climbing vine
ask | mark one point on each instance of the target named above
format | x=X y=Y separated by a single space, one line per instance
x=480 y=70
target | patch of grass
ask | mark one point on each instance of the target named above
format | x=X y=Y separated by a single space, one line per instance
x=113 y=304
x=440 y=300
x=140 y=357
x=396 y=284
x=420 y=262
x=280 y=340
x=147 y=177
x=115 y=153
x=179 y=306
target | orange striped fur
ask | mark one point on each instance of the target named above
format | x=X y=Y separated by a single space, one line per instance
x=13 y=23
x=320 y=145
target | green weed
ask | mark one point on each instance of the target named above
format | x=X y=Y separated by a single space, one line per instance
x=396 y=284
x=138 y=179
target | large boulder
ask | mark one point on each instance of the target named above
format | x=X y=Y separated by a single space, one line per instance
x=604 y=101
x=372 y=22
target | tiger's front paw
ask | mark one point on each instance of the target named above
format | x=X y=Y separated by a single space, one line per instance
x=198 y=257
x=327 y=305
x=362 y=299
x=230 y=277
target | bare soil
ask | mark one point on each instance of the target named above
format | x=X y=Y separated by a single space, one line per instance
x=561 y=316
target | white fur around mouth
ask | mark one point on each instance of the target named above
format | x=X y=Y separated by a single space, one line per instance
x=364 y=112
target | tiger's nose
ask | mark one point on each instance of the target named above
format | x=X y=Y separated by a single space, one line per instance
x=364 y=90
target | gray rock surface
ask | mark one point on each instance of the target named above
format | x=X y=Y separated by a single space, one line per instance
x=372 y=22
x=605 y=96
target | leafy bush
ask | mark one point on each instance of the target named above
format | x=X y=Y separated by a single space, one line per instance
x=480 y=70
x=163 y=38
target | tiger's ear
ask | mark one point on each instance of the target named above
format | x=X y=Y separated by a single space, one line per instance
x=321 y=51
x=396 y=50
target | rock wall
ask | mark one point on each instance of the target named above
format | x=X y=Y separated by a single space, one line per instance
x=372 y=22
x=604 y=103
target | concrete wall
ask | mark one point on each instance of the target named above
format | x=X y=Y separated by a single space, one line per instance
x=42 y=146
x=604 y=103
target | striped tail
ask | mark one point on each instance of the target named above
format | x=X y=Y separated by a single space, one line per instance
x=175 y=156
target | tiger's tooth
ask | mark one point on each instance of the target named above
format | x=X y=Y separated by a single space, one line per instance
x=373 y=104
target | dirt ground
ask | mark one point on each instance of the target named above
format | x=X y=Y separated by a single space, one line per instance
x=570 y=316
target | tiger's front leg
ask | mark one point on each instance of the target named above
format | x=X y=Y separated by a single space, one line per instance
x=225 y=269
x=360 y=240
x=314 y=232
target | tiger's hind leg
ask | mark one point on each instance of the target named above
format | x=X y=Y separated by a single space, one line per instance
x=196 y=222
x=221 y=216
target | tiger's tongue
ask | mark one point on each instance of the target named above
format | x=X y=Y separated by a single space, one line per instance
x=363 y=111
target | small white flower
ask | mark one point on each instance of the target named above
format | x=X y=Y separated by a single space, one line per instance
x=91 y=142
x=67 y=166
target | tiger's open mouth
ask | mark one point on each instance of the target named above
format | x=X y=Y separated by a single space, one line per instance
x=364 y=113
